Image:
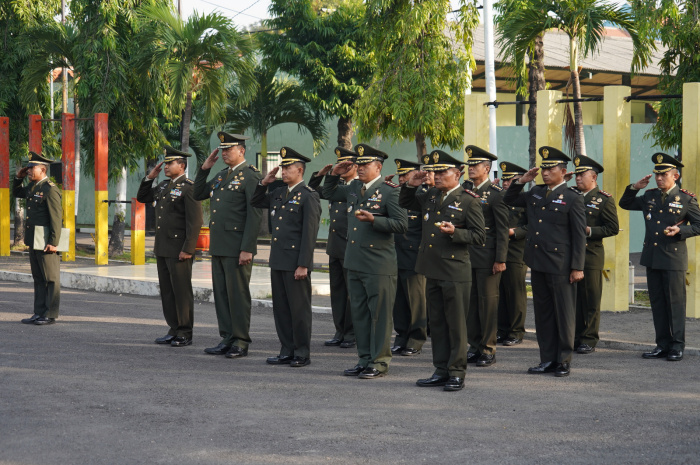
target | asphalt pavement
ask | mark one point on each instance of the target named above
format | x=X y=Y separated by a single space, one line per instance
x=95 y=389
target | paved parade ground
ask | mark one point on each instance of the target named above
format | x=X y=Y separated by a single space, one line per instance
x=95 y=389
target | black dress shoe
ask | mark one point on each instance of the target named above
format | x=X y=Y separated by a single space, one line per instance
x=167 y=339
x=280 y=360
x=434 y=380
x=31 y=320
x=656 y=353
x=397 y=349
x=674 y=355
x=472 y=357
x=221 y=349
x=585 y=349
x=180 y=341
x=354 y=371
x=370 y=373
x=299 y=362
x=236 y=352
x=454 y=384
x=408 y=351
x=544 y=367
x=563 y=369
x=486 y=360
x=511 y=341
x=332 y=342
x=347 y=344
x=42 y=320
x=500 y=339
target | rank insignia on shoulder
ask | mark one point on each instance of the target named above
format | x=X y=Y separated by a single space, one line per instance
x=252 y=167
x=389 y=183
x=497 y=188
x=576 y=190
x=604 y=194
x=52 y=184
x=189 y=181
x=472 y=193
x=688 y=192
x=310 y=189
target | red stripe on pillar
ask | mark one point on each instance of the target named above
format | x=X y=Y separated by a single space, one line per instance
x=4 y=152
x=101 y=164
x=35 y=134
x=68 y=150
x=138 y=215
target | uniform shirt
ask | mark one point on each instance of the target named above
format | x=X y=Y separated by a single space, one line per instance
x=494 y=249
x=517 y=220
x=407 y=244
x=338 y=216
x=601 y=217
x=43 y=209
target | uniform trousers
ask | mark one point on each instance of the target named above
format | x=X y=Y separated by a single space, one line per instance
x=448 y=303
x=47 y=282
x=667 y=295
x=410 y=313
x=512 y=302
x=372 y=300
x=291 y=307
x=232 y=300
x=588 y=294
x=175 y=279
x=340 y=301
x=554 y=299
x=482 y=316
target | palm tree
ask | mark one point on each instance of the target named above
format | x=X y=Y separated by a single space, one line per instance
x=584 y=21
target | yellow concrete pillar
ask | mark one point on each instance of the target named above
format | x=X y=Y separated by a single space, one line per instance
x=617 y=122
x=550 y=120
x=476 y=122
x=690 y=148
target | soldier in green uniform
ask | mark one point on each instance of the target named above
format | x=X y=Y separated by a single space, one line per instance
x=374 y=216
x=555 y=251
x=335 y=249
x=43 y=209
x=233 y=230
x=488 y=260
x=601 y=222
x=452 y=220
x=295 y=212
x=512 y=302
x=179 y=219
x=671 y=215
x=410 y=313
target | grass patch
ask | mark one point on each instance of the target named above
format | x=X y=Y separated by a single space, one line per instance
x=642 y=298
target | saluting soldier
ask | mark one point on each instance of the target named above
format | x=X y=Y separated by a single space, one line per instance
x=178 y=221
x=601 y=222
x=295 y=212
x=488 y=260
x=410 y=314
x=374 y=216
x=671 y=216
x=555 y=251
x=452 y=220
x=512 y=301
x=233 y=229
x=43 y=209
x=335 y=249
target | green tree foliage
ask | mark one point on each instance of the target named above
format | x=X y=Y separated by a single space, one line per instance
x=423 y=64
x=325 y=46
x=677 y=25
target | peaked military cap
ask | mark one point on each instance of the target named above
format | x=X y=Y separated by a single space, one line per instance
x=510 y=170
x=477 y=155
x=664 y=162
x=36 y=159
x=583 y=164
x=438 y=160
x=231 y=140
x=344 y=154
x=172 y=154
x=405 y=166
x=368 y=154
x=552 y=157
x=291 y=156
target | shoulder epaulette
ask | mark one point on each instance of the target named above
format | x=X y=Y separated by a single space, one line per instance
x=254 y=168
x=498 y=188
x=576 y=190
x=472 y=193
x=54 y=185
x=688 y=192
x=309 y=188
x=604 y=194
x=389 y=183
x=189 y=181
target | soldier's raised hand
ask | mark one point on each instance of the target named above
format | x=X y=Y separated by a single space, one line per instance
x=568 y=176
x=211 y=159
x=416 y=178
x=22 y=172
x=388 y=177
x=325 y=170
x=529 y=176
x=341 y=168
x=642 y=183
x=270 y=176
x=155 y=171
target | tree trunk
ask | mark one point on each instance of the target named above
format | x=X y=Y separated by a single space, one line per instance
x=19 y=223
x=580 y=143
x=420 y=146
x=116 y=239
x=185 y=126
x=264 y=224
x=536 y=83
x=345 y=132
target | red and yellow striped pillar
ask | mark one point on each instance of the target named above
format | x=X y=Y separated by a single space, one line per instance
x=68 y=165
x=5 y=239
x=138 y=232
x=101 y=192
x=35 y=134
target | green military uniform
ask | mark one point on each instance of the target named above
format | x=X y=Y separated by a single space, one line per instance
x=601 y=217
x=233 y=228
x=335 y=249
x=410 y=312
x=512 y=302
x=294 y=217
x=445 y=261
x=555 y=245
x=43 y=209
x=178 y=222
x=370 y=259
x=482 y=317
x=666 y=257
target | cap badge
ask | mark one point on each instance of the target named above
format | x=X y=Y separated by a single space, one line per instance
x=337 y=152
x=659 y=158
x=469 y=153
x=436 y=157
x=30 y=157
x=221 y=137
x=503 y=166
x=283 y=151
x=577 y=161
x=545 y=153
x=361 y=150
x=426 y=159
x=398 y=164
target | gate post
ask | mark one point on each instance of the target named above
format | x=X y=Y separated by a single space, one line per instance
x=690 y=148
x=68 y=165
x=5 y=239
x=101 y=192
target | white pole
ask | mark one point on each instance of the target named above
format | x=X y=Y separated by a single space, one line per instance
x=51 y=90
x=490 y=75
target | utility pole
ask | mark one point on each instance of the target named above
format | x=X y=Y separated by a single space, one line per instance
x=65 y=71
x=490 y=74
